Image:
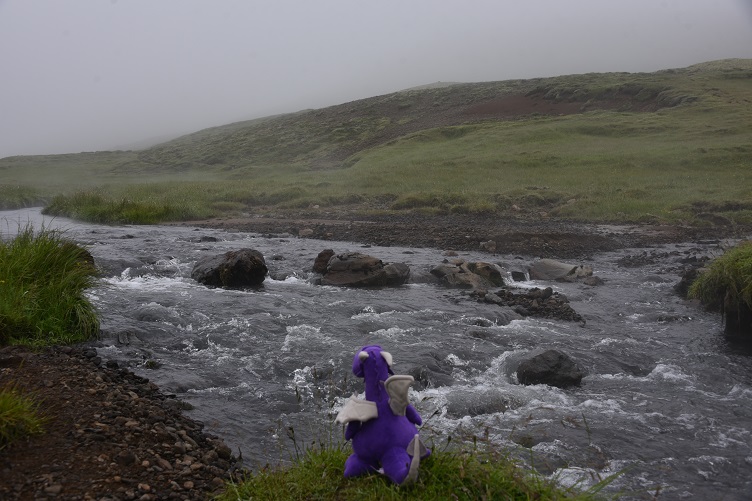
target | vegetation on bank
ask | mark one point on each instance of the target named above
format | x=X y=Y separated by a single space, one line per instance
x=17 y=196
x=468 y=475
x=43 y=280
x=727 y=282
x=671 y=146
x=19 y=416
x=726 y=286
x=146 y=206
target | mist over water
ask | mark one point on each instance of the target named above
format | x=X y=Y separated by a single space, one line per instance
x=665 y=395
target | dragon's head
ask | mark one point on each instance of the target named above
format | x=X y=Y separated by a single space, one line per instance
x=375 y=366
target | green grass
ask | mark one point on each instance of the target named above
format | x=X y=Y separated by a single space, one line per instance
x=19 y=417
x=318 y=474
x=141 y=204
x=673 y=147
x=726 y=285
x=43 y=280
x=644 y=170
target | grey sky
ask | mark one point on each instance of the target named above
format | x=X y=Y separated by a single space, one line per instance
x=83 y=75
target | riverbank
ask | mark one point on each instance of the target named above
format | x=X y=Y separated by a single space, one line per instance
x=530 y=235
x=109 y=434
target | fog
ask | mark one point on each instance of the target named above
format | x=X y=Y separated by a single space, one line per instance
x=84 y=75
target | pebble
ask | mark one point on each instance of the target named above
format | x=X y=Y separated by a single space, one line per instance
x=53 y=490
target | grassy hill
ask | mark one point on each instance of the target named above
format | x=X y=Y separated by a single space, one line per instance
x=670 y=146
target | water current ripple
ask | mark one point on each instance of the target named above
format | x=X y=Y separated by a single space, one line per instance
x=665 y=395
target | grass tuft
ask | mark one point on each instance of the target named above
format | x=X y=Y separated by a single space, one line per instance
x=43 y=279
x=19 y=417
x=727 y=283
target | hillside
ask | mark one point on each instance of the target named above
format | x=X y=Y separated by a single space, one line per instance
x=326 y=138
x=469 y=147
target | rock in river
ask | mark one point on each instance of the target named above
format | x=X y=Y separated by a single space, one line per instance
x=551 y=367
x=237 y=268
x=354 y=269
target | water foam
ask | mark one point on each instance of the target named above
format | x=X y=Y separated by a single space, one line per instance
x=305 y=334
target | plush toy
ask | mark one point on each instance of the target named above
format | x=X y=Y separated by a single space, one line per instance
x=383 y=426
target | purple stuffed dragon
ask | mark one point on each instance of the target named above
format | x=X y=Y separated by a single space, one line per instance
x=383 y=426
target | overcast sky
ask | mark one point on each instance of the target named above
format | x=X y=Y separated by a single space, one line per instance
x=84 y=75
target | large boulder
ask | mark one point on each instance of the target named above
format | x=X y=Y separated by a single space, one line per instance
x=471 y=275
x=354 y=269
x=551 y=367
x=237 y=268
x=550 y=269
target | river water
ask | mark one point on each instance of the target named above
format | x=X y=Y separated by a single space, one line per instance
x=667 y=400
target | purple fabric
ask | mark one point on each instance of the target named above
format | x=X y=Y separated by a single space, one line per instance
x=382 y=441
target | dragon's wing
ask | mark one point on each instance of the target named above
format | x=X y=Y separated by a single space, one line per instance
x=356 y=409
x=396 y=387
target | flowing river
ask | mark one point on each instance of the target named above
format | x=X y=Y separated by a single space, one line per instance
x=667 y=400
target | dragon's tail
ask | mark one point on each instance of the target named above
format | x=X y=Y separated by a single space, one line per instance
x=416 y=449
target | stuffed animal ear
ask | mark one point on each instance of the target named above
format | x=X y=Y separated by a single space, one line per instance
x=388 y=357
